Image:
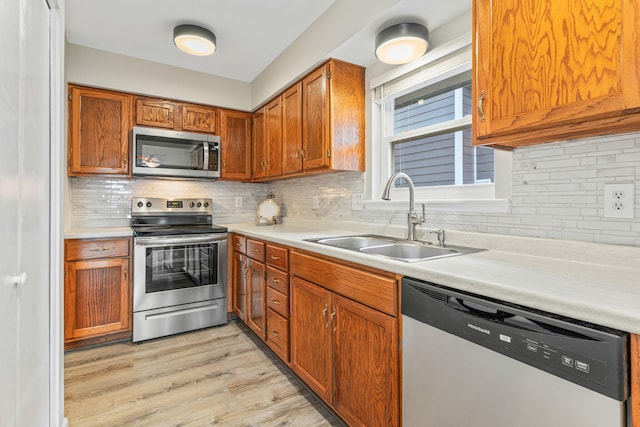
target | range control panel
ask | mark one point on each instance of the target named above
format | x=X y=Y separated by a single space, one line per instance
x=147 y=205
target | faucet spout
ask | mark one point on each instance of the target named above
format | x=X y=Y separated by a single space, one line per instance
x=412 y=218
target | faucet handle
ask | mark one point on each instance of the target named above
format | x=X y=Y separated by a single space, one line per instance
x=440 y=235
x=424 y=215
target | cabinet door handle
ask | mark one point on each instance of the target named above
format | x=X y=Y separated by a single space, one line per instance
x=297 y=154
x=125 y=273
x=303 y=153
x=481 y=106
x=324 y=316
x=124 y=159
x=275 y=301
x=333 y=320
x=275 y=333
x=99 y=249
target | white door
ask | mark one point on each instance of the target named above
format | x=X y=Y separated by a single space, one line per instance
x=25 y=212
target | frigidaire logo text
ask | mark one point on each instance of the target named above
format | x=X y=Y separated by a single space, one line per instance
x=479 y=329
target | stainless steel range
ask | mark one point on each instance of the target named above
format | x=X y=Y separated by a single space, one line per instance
x=179 y=267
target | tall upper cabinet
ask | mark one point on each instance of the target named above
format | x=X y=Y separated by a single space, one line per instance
x=333 y=118
x=99 y=126
x=548 y=70
x=235 y=132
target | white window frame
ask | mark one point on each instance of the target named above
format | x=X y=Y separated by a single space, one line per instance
x=452 y=58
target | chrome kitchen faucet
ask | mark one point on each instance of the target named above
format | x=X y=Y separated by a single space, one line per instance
x=412 y=217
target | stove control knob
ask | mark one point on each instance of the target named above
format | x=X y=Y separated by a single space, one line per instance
x=192 y=204
x=140 y=204
x=199 y=204
x=206 y=204
x=148 y=204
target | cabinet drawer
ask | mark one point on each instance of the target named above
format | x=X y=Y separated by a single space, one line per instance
x=379 y=291
x=278 y=302
x=278 y=280
x=278 y=257
x=240 y=244
x=255 y=249
x=93 y=249
x=278 y=334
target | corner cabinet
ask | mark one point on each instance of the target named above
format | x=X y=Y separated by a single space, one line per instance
x=97 y=296
x=548 y=71
x=99 y=127
x=235 y=136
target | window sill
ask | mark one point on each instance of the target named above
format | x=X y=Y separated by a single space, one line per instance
x=452 y=205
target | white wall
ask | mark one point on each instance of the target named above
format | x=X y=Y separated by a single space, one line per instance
x=93 y=67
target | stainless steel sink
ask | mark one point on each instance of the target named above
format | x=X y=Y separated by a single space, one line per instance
x=410 y=251
x=355 y=242
x=389 y=247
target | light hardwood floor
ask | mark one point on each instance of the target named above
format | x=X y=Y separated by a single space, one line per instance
x=217 y=376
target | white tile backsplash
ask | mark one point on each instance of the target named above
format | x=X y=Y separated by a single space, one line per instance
x=557 y=193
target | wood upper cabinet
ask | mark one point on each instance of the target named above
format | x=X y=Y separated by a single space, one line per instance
x=333 y=118
x=175 y=115
x=548 y=71
x=99 y=127
x=292 y=130
x=97 y=297
x=258 y=162
x=267 y=145
x=235 y=137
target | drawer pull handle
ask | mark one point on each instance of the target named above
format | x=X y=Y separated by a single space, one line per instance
x=274 y=280
x=275 y=301
x=276 y=258
x=324 y=316
x=125 y=274
x=99 y=249
x=275 y=333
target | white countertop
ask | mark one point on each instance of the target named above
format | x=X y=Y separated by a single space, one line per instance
x=97 y=232
x=595 y=283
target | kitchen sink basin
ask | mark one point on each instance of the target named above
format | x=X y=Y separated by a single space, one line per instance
x=410 y=251
x=389 y=247
x=355 y=242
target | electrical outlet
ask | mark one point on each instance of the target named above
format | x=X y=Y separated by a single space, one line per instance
x=238 y=201
x=356 y=202
x=619 y=200
x=316 y=202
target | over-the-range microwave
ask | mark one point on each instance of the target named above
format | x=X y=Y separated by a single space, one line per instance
x=170 y=153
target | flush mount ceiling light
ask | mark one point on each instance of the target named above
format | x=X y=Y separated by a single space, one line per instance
x=402 y=43
x=194 y=40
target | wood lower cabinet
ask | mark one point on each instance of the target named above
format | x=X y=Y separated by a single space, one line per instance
x=97 y=295
x=346 y=351
x=249 y=287
x=235 y=137
x=99 y=127
x=549 y=71
x=240 y=285
x=278 y=302
x=256 y=298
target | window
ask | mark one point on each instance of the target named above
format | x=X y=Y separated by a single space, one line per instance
x=422 y=126
x=428 y=133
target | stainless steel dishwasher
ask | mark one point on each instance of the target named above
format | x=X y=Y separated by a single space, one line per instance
x=473 y=361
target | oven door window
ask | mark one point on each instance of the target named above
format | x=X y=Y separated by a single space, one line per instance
x=178 y=267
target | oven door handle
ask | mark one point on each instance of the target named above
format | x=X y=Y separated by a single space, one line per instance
x=182 y=240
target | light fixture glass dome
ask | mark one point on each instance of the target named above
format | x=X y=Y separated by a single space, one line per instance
x=194 y=40
x=402 y=43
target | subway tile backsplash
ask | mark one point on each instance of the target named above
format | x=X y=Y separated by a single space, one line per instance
x=96 y=202
x=557 y=193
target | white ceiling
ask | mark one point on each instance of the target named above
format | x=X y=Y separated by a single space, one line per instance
x=250 y=33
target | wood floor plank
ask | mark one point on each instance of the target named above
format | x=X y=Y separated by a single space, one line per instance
x=217 y=376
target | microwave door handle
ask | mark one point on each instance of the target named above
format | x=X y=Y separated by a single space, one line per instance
x=205 y=151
